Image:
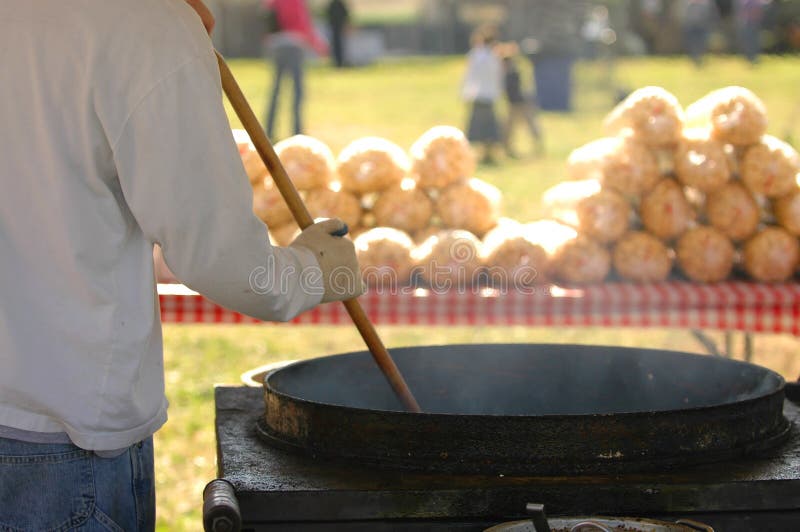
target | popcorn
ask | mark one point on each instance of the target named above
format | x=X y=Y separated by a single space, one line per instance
x=404 y=207
x=442 y=156
x=701 y=162
x=770 y=167
x=448 y=259
x=384 y=254
x=601 y=214
x=371 y=164
x=733 y=114
x=631 y=169
x=652 y=114
x=308 y=161
x=571 y=257
x=665 y=211
x=268 y=204
x=642 y=258
x=473 y=205
x=588 y=161
x=705 y=255
x=733 y=210
x=787 y=212
x=581 y=260
x=334 y=203
x=254 y=167
x=509 y=250
x=772 y=255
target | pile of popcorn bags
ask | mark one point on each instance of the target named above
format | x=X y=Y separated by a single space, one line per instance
x=415 y=216
x=702 y=194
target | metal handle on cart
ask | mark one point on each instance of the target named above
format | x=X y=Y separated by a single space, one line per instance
x=538 y=517
x=220 y=508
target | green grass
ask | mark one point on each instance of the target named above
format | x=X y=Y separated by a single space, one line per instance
x=399 y=100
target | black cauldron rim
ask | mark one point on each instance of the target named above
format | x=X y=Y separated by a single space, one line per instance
x=778 y=388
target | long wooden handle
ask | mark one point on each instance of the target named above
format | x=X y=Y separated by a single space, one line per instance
x=303 y=217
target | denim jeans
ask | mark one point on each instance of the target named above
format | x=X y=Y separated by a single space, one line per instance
x=288 y=58
x=60 y=487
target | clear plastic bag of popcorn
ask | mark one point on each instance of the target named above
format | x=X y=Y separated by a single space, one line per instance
x=733 y=210
x=631 y=169
x=588 y=161
x=770 y=167
x=308 y=161
x=472 y=205
x=640 y=257
x=283 y=235
x=254 y=167
x=572 y=258
x=441 y=156
x=404 y=206
x=580 y=260
x=701 y=161
x=652 y=115
x=787 y=212
x=332 y=202
x=371 y=164
x=384 y=254
x=705 y=255
x=268 y=204
x=665 y=211
x=512 y=258
x=602 y=214
x=449 y=259
x=772 y=255
x=734 y=115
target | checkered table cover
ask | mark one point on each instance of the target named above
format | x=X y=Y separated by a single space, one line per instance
x=738 y=306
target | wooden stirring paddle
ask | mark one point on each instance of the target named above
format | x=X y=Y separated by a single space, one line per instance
x=303 y=217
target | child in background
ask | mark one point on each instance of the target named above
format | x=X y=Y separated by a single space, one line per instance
x=521 y=106
x=481 y=88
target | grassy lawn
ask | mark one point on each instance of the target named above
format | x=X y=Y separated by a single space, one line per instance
x=399 y=100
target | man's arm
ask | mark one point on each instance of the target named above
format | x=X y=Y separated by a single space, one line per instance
x=184 y=183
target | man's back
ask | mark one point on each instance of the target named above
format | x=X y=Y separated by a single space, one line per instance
x=112 y=138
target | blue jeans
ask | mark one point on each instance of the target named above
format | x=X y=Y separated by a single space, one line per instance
x=288 y=58
x=60 y=487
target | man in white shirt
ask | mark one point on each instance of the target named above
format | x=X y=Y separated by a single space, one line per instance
x=113 y=138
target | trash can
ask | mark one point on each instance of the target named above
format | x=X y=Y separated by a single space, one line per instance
x=553 y=79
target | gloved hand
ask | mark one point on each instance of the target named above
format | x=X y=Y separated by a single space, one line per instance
x=341 y=274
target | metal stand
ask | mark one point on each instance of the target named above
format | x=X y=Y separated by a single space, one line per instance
x=711 y=346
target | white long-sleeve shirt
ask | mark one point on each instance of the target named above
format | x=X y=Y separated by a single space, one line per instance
x=113 y=137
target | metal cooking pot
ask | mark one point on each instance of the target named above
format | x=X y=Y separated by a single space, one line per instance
x=522 y=409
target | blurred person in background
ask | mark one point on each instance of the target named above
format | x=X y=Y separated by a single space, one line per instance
x=699 y=17
x=113 y=139
x=339 y=22
x=521 y=106
x=293 y=35
x=481 y=88
x=749 y=19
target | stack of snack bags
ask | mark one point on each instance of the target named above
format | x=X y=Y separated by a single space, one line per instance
x=404 y=210
x=706 y=188
x=703 y=192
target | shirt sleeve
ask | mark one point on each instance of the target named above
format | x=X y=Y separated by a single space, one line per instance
x=183 y=181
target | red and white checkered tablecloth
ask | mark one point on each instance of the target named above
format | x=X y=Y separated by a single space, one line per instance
x=726 y=306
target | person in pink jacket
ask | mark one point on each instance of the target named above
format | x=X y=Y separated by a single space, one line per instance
x=295 y=34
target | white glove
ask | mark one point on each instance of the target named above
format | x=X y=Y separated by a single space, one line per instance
x=341 y=274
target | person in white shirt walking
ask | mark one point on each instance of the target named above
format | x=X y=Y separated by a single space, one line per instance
x=114 y=138
x=482 y=87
